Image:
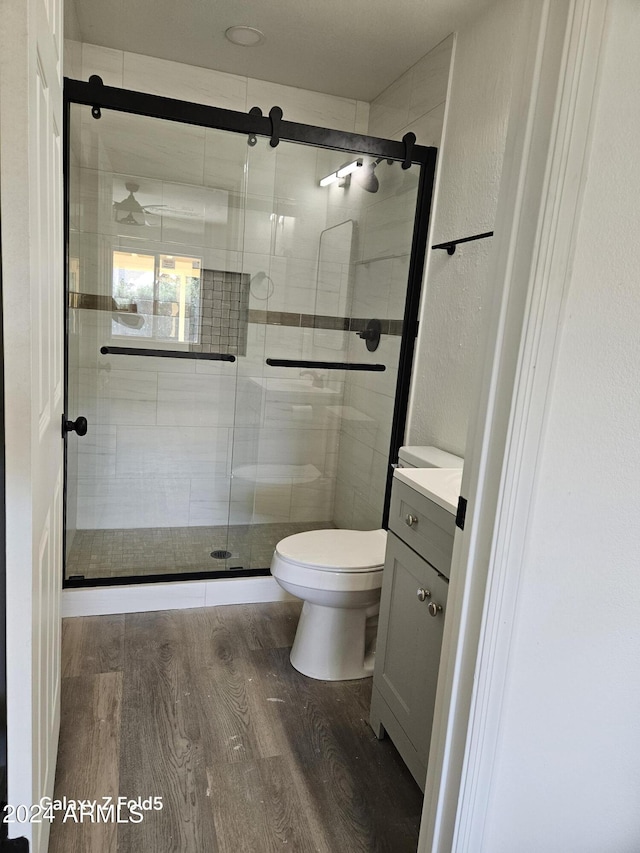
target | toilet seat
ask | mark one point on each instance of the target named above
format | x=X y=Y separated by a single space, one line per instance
x=335 y=550
x=324 y=579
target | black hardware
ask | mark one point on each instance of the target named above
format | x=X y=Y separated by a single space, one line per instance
x=275 y=114
x=462 y=512
x=409 y=140
x=66 y=170
x=253 y=139
x=14 y=845
x=371 y=334
x=410 y=322
x=3 y=587
x=202 y=115
x=451 y=245
x=167 y=353
x=324 y=365
x=214 y=574
x=96 y=112
x=78 y=426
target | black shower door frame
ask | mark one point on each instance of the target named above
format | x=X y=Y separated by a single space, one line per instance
x=274 y=127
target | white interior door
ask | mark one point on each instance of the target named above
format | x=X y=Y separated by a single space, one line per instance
x=31 y=217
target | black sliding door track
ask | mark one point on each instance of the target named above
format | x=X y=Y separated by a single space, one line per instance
x=96 y=95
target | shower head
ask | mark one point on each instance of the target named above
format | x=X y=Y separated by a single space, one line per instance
x=367 y=177
x=369 y=180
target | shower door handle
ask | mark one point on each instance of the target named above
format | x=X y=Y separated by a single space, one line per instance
x=78 y=426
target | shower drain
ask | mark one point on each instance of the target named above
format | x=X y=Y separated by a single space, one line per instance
x=221 y=555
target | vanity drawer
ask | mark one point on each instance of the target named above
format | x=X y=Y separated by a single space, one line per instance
x=423 y=525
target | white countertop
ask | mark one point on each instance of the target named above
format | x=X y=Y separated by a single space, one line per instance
x=441 y=485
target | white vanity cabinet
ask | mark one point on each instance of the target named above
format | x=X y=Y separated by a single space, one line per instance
x=412 y=610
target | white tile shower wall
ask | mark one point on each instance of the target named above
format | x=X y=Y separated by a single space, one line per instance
x=216 y=88
x=172 y=425
x=185 y=82
x=415 y=102
x=72 y=59
x=365 y=432
x=404 y=105
x=273 y=224
x=128 y=502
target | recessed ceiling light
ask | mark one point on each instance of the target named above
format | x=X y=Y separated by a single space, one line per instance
x=244 y=36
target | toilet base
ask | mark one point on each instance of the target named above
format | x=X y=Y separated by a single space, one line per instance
x=334 y=643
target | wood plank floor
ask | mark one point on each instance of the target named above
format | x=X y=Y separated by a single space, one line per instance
x=202 y=708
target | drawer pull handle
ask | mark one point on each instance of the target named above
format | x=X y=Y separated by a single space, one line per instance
x=411 y=520
x=423 y=593
x=434 y=608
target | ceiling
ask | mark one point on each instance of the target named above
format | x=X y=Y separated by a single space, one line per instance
x=354 y=49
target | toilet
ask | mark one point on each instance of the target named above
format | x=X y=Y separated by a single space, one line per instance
x=338 y=575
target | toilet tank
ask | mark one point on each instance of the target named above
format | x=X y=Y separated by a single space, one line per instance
x=427 y=457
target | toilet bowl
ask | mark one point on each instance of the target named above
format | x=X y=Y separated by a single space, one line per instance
x=338 y=575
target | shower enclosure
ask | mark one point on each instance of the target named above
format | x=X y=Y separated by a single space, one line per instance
x=241 y=310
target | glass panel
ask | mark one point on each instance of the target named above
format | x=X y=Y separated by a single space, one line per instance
x=189 y=241
x=154 y=262
x=311 y=443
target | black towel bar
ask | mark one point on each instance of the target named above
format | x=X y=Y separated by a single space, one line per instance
x=450 y=246
x=167 y=353
x=324 y=365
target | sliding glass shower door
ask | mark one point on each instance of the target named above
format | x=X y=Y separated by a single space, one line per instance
x=235 y=319
x=328 y=263
x=158 y=317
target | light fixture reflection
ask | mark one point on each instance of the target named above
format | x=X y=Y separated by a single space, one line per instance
x=349 y=168
x=330 y=179
x=343 y=172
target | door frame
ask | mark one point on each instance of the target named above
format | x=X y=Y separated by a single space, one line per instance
x=539 y=206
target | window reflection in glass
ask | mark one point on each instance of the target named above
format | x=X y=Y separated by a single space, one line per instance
x=157 y=296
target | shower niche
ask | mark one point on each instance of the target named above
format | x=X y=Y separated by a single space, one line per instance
x=217 y=292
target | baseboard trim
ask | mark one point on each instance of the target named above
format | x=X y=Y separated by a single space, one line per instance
x=143 y=598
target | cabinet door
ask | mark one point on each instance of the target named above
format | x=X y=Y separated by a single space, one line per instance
x=409 y=641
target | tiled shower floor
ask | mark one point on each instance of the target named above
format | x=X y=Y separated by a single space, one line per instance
x=175 y=550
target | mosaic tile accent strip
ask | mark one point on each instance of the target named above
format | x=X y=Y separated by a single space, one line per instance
x=225 y=314
x=175 y=550
x=322 y=321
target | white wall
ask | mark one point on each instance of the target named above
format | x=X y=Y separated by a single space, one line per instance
x=567 y=776
x=469 y=171
x=71 y=23
x=414 y=102
x=204 y=86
